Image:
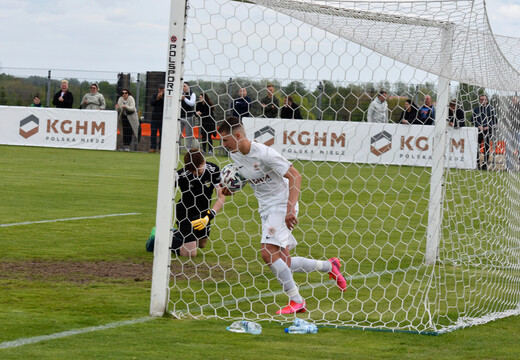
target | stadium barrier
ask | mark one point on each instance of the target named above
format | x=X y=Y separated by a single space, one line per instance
x=371 y=143
x=61 y=128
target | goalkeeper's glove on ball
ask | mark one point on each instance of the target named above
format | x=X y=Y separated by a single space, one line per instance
x=201 y=223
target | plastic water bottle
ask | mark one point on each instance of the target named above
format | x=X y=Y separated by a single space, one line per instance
x=301 y=322
x=304 y=329
x=244 y=326
x=301 y=326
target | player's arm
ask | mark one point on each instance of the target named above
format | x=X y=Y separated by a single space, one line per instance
x=295 y=183
x=204 y=220
x=221 y=199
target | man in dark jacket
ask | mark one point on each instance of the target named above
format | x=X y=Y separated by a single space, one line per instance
x=242 y=104
x=270 y=103
x=456 y=118
x=484 y=119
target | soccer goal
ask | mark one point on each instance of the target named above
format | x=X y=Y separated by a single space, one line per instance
x=423 y=213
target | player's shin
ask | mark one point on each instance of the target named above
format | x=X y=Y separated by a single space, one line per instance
x=284 y=276
x=304 y=265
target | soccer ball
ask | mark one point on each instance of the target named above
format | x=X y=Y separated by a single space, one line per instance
x=231 y=179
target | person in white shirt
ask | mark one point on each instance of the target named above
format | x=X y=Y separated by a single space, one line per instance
x=276 y=184
x=187 y=111
x=378 y=109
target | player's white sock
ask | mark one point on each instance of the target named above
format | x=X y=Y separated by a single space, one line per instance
x=300 y=264
x=284 y=276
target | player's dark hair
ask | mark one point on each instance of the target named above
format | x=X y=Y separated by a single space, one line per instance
x=193 y=159
x=229 y=125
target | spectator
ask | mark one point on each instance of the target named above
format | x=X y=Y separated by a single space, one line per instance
x=242 y=104
x=409 y=115
x=456 y=118
x=426 y=115
x=207 y=121
x=378 y=109
x=63 y=99
x=187 y=111
x=127 y=114
x=157 y=103
x=484 y=118
x=93 y=100
x=290 y=109
x=37 y=102
x=270 y=103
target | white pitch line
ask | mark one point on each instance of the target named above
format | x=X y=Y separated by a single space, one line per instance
x=67 y=219
x=37 y=339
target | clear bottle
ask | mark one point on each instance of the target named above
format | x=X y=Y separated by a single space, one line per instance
x=244 y=326
x=300 y=322
x=302 y=329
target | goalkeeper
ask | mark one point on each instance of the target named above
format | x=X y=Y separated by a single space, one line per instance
x=197 y=181
x=276 y=184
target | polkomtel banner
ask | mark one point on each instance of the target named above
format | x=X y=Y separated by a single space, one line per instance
x=68 y=128
x=362 y=142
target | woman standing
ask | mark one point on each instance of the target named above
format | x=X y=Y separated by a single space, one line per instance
x=127 y=114
x=409 y=115
x=63 y=99
x=93 y=100
x=207 y=121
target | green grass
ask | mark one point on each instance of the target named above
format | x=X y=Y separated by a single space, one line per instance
x=43 y=183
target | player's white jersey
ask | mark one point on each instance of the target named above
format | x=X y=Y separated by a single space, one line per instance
x=264 y=167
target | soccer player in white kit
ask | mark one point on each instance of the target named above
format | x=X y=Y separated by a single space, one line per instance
x=276 y=184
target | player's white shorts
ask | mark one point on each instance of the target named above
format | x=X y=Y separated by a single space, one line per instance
x=274 y=229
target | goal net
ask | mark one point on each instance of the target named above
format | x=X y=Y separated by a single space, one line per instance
x=423 y=215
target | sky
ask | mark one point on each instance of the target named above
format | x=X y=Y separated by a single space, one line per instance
x=126 y=36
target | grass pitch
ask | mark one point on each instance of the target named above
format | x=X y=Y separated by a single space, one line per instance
x=71 y=275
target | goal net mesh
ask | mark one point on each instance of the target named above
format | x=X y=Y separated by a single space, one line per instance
x=365 y=186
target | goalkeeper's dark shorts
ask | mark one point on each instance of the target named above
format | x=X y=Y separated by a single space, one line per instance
x=189 y=234
x=185 y=233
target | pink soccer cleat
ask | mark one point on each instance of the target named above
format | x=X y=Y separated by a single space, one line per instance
x=292 y=308
x=336 y=274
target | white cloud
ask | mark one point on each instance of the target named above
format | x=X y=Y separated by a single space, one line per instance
x=508 y=12
x=504 y=17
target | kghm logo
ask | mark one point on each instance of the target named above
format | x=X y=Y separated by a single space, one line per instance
x=265 y=135
x=378 y=147
x=29 y=126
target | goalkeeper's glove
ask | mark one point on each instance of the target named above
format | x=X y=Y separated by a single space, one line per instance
x=201 y=223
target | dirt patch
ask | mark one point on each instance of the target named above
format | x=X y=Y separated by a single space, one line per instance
x=88 y=271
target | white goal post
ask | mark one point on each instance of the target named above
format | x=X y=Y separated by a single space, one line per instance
x=169 y=156
x=425 y=217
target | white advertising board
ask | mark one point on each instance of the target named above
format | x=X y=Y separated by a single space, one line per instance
x=373 y=143
x=64 y=128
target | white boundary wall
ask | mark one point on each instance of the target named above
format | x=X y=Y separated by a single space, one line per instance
x=373 y=143
x=61 y=128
